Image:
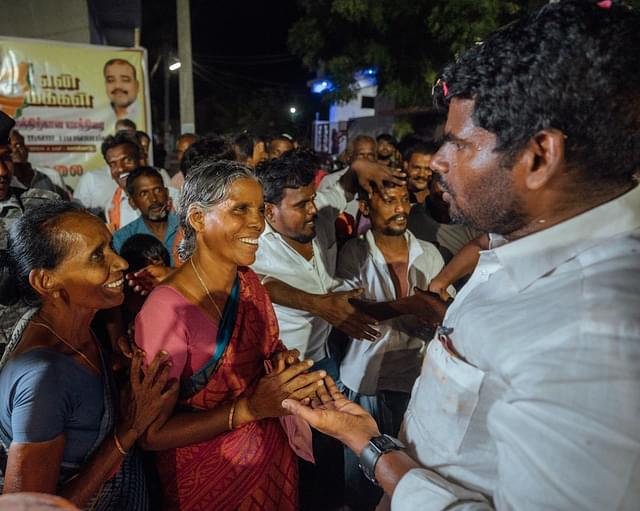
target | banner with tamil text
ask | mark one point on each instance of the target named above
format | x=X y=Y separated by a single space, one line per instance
x=67 y=97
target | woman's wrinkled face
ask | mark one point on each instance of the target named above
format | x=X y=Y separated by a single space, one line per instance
x=232 y=227
x=92 y=274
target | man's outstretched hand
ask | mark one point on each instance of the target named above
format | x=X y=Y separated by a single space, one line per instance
x=336 y=416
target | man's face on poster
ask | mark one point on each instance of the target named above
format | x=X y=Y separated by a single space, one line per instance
x=121 y=84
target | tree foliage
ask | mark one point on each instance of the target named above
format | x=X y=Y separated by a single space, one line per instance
x=408 y=41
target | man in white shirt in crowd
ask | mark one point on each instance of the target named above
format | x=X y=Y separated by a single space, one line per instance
x=388 y=263
x=103 y=191
x=296 y=260
x=528 y=397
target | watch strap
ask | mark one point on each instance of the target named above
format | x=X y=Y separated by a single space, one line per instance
x=376 y=447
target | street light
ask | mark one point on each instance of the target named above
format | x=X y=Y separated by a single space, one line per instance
x=292 y=110
x=175 y=66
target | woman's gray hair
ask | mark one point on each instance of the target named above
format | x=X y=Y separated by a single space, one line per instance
x=206 y=185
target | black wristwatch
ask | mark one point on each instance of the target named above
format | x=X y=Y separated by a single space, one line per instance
x=377 y=446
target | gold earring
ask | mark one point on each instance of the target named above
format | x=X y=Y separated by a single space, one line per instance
x=56 y=294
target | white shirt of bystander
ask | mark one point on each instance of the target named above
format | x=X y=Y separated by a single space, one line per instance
x=392 y=362
x=276 y=259
x=532 y=401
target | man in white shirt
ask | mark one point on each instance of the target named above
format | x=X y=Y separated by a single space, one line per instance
x=296 y=260
x=297 y=253
x=388 y=263
x=528 y=396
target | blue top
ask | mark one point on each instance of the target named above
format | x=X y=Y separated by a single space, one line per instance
x=139 y=227
x=44 y=393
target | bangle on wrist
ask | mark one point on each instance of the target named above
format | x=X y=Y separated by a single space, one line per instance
x=118 y=444
x=232 y=412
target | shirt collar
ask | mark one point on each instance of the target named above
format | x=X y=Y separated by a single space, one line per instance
x=533 y=256
x=415 y=250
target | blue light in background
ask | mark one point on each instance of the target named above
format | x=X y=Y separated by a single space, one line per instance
x=322 y=85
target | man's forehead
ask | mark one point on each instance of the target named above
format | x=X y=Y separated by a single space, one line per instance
x=120 y=151
x=118 y=68
x=298 y=194
x=143 y=182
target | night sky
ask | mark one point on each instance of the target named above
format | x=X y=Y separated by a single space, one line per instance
x=243 y=71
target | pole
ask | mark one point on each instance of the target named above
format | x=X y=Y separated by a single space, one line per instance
x=187 y=114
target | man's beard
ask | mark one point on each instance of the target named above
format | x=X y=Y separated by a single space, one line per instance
x=394 y=231
x=159 y=215
x=496 y=209
x=305 y=238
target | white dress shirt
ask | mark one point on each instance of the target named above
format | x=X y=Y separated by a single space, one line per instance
x=540 y=408
x=276 y=259
x=95 y=188
x=393 y=361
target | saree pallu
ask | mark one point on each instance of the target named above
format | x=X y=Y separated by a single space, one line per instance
x=252 y=467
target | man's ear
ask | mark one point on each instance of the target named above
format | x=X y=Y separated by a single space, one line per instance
x=363 y=207
x=131 y=203
x=44 y=283
x=270 y=212
x=542 y=159
x=195 y=217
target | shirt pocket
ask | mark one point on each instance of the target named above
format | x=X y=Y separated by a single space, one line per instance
x=448 y=393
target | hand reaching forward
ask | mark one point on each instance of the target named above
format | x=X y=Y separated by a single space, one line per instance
x=336 y=309
x=336 y=416
x=145 y=280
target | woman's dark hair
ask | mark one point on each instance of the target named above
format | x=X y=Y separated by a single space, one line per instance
x=34 y=241
x=573 y=66
x=141 y=250
x=294 y=169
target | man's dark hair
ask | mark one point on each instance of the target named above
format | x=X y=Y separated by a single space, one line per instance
x=34 y=241
x=141 y=250
x=284 y=137
x=128 y=124
x=208 y=149
x=386 y=137
x=121 y=137
x=243 y=144
x=119 y=61
x=139 y=172
x=294 y=169
x=572 y=66
x=420 y=147
x=142 y=134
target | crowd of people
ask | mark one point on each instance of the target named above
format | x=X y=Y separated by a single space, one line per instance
x=442 y=323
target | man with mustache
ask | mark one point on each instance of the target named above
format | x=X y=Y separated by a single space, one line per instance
x=388 y=263
x=429 y=219
x=122 y=87
x=528 y=397
x=150 y=197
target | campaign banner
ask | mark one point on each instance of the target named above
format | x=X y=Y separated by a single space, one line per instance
x=67 y=97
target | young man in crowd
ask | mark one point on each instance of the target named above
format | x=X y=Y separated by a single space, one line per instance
x=183 y=143
x=148 y=195
x=296 y=260
x=387 y=150
x=429 y=218
x=388 y=263
x=528 y=395
x=27 y=175
x=278 y=146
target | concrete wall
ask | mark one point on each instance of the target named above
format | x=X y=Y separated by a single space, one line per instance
x=60 y=20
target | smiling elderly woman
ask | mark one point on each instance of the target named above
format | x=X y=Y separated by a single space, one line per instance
x=58 y=426
x=221 y=445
